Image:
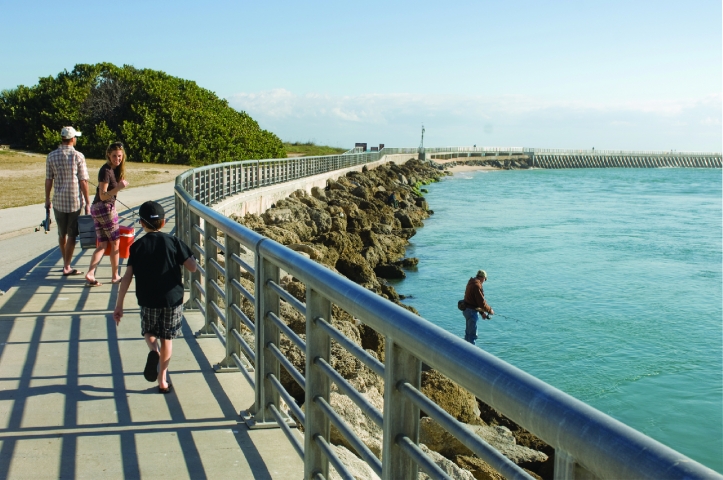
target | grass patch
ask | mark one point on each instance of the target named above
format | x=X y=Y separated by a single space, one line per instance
x=310 y=149
x=23 y=176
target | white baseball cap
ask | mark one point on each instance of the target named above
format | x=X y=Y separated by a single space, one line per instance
x=69 y=132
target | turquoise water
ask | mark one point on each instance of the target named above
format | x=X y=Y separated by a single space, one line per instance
x=612 y=282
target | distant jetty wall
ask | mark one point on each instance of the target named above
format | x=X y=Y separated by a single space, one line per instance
x=623 y=160
x=547 y=158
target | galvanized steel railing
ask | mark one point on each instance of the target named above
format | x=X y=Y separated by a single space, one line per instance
x=586 y=441
x=213 y=183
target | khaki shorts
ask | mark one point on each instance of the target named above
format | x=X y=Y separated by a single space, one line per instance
x=67 y=223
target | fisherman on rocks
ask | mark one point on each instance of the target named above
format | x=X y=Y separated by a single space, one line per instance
x=474 y=303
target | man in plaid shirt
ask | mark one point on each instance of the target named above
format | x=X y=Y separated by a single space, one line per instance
x=66 y=170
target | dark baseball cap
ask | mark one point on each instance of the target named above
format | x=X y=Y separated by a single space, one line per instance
x=151 y=211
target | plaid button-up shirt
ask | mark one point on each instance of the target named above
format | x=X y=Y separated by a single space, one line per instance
x=66 y=167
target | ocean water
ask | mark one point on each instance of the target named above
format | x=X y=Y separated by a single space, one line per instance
x=610 y=280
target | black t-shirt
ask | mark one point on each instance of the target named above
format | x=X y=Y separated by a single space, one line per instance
x=106 y=174
x=157 y=259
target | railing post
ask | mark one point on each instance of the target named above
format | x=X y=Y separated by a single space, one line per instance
x=233 y=297
x=207 y=197
x=210 y=252
x=195 y=240
x=401 y=416
x=266 y=333
x=181 y=233
x=318 y=345
x=212 y=182
x=194 y=192
x=566 y=468
x=186 y=211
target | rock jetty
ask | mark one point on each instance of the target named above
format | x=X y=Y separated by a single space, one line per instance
x=506 y=164
x=359 y=226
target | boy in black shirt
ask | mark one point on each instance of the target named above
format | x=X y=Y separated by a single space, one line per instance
x=156 y=261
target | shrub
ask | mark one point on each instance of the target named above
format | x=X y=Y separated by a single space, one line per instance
x=158 y=117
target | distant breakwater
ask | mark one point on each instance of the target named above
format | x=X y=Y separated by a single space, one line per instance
x=587 y=159
x=625 y=161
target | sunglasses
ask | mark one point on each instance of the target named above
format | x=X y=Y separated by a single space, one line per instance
x=116 y=145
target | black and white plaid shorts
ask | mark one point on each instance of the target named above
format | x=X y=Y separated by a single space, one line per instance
x=162 y=322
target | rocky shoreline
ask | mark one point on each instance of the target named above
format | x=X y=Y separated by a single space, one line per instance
x=477 y=164
x=359 y=226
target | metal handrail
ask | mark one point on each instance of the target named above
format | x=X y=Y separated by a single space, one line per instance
x=582 y=436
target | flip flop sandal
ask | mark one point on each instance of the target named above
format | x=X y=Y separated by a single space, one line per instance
x=94 y=283
x=150 y=373
x=72 y=272
x=165 y=390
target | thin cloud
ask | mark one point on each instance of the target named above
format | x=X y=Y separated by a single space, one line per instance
x=396 y=119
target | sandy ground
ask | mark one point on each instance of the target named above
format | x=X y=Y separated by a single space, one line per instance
x=22 y=175
x=465 y=168
x=471 y=168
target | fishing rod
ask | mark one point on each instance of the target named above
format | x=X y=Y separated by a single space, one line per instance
x=506 y=317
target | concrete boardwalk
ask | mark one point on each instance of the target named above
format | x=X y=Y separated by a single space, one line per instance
x=74 y=403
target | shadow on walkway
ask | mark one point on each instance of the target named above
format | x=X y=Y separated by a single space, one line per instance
x=74 y=403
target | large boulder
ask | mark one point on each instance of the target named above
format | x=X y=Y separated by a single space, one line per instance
x=319 y=194
x=438 y=439
x=389 y=272
x=393 y=246
x=312 y=252
x=450 y=468
x=321 y=221
x=279 y=234
x=454 y=399
x=492 y=417
x=275 y=216
x=382 y=229
x=389 y=292
x=304 y=230
x=361 y=192
x=298 y=360
x=367 y=431
x=478 y=468
x=357 y=269
x=405 y=233
x=345 y=244
x=335 y=186
x=410 y=262
x=372 y=340
x=405 y=219
x=359 y=469
x=294 y=287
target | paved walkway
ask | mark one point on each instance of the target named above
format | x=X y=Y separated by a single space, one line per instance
x=73 y=400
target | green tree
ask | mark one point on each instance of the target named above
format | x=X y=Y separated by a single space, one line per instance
x=158 y=117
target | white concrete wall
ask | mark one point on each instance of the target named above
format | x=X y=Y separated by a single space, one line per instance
x=259 y=200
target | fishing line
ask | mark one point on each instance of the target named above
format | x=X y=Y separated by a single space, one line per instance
x=129 y=208
x=506 y=317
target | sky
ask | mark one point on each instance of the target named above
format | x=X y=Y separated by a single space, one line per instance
x=623 y=75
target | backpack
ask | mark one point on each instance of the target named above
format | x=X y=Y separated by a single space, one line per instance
x=461 y=305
